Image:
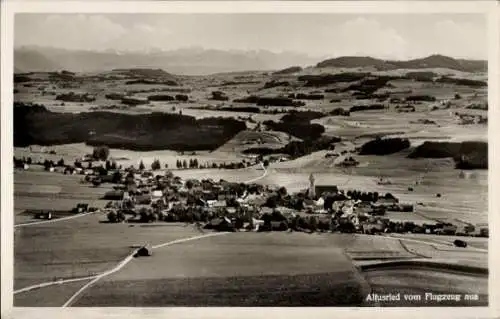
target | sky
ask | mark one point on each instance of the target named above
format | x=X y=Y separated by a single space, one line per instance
x=390 y=36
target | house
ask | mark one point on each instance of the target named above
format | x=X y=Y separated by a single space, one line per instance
x=220 y=224
x=217 y=203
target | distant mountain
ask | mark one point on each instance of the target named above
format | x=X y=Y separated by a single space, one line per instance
x=188 y=61
x=29 y=60
x=433 y=61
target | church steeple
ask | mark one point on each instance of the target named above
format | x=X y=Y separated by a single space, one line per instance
x=312 y=186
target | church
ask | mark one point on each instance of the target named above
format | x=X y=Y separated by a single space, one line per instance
x=319 y=190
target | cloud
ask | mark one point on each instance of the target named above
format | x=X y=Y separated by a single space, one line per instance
x=67 y=30
x=366 y=36
x=467 y=38
x=383 y=36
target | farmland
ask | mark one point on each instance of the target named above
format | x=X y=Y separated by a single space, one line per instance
x=169 y=119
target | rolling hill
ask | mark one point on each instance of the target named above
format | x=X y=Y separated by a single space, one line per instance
x=433 y=61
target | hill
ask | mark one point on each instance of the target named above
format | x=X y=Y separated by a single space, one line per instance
x=433 y=61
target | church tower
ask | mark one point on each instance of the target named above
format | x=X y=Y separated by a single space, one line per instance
x=312 y=186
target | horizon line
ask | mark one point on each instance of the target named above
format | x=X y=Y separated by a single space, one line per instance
x=311 y=55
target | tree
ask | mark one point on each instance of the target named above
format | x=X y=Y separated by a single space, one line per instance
x=112 y=216
x=96 y=182
x=117 y=177
x=141 y=166
x=100 y=153
x=28 y=161
x=46 y=165
x=156 y=165
x=195 y=163
x=77 y=163
x=166 y=165
x=61 y=162
x=282 y=191
x=184 y=164
x=266 y=163
x=108 y=165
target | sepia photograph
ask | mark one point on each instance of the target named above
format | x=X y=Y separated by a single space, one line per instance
x=250 y=159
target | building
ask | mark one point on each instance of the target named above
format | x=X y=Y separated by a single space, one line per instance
x=312 y=186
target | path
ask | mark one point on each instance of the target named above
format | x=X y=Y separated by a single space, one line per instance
x=96 y=278
x=54 y=220
x=129 y=258
x=260 y=177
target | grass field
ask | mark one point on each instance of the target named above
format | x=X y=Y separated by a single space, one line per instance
x=229 y=270
x=52 y=296
x=80 y=247
x=300 y=269
x=256 y=269
x=420 y=282
x=39 y=190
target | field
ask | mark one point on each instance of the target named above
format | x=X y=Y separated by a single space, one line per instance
x=193 y=268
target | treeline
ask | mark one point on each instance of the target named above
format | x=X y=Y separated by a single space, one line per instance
x=273 y=83
x=194 y=164
x=292 y=69
x=358 y=108
x=298 y=124
x=420 y=98
x=165 y=97
x=326 y=79
x=152 y=82
x=384 y=146
x=73 y=97
x=153 y=131
x=369 y=86
x=465 y=82
x=304 y=131
x=219 y=96
x=301 y=116
x=114 y=96
x=303 y=96
x=422 y=76
x=270 y=101
x=297 y=149
x=466 y=154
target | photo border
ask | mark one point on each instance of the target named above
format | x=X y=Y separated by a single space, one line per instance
x=9 y=8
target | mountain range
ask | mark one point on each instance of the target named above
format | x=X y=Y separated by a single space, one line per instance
x=186 y=61
x=199 y=61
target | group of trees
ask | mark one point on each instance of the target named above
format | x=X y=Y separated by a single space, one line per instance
x=165 y=97
x=326 y=79
x=384 y=146
x=303 y=96
x=35 y=125
x=296 y=149
x=358 y=108
x=73 y=97
x=193 y=163
x=270 y=101
x=304 y=131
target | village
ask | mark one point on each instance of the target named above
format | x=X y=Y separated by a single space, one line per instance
x=142 y=195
